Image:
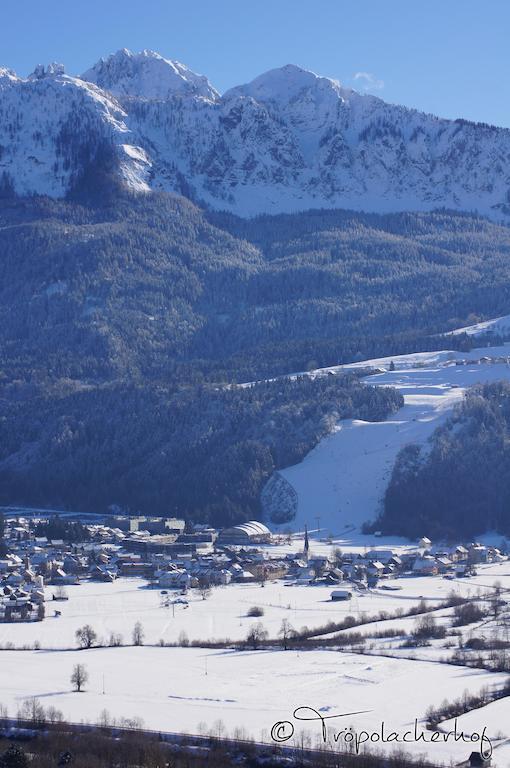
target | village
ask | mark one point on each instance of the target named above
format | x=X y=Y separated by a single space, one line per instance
x=162 y=552
x=184 y=608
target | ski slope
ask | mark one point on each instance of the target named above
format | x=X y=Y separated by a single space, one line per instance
x=340 y=484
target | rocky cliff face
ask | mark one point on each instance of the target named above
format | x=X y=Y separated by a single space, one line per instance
x=288 y=141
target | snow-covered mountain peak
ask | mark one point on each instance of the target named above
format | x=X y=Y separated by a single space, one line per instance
x=148 y=75
x=55 y=128
x=287 y=141
x=8 y=76
x=51 y=70
x=287 y=84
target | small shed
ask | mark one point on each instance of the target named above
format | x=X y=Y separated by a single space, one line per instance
x=341 y=594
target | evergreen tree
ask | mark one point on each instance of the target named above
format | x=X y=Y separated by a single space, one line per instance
x=14 y=757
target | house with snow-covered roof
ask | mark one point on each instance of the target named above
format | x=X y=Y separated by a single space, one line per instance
x=478 y=553
x=175 y=578
x=381 y=555
x=425 y=566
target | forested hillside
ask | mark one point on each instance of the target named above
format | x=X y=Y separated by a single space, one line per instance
x=460 y=484
x=122 y=320
x=203 y=452
x=150 y=288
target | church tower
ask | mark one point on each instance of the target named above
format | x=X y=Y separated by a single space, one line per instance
x=306 y=548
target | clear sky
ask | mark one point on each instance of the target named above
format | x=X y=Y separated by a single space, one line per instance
x=449 y=57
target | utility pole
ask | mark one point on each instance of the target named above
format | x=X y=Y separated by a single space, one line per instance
x=318 y=518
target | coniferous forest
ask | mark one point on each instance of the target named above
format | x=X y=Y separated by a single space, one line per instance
x=203 y=452
x=461 y=481
x=126 y=322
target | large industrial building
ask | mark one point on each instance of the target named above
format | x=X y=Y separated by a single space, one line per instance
x=245 y=534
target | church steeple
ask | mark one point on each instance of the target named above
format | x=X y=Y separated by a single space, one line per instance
x=306 y=548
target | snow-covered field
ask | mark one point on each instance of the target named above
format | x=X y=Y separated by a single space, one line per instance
x=116 y=607
x=178 y=689
x=344 y=478
x=191 y=689
x=496 y=716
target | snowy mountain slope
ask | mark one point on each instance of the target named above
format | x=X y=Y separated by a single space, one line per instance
x=287 y=141
x=53 y=126
x=498 y=325
x=344 y=478
x=293 y=140
x=147 y=75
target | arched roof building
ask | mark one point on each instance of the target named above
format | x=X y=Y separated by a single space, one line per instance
x=244 y=534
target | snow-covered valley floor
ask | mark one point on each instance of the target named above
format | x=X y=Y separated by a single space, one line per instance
x=193 y=689
x=116 y=607
x=190 y=690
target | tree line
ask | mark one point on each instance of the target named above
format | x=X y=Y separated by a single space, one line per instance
x=458 y=485
x=202 y=452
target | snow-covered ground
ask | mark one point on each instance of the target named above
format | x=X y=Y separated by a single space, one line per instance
x=496 y=716
x=497 y=325
x=344 y=478
x=181 y=689
x=192 y=689
x=116 y=607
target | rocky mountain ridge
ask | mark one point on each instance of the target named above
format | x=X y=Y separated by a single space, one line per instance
x=290 y=140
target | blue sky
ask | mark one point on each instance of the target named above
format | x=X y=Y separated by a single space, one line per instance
x=449 y=57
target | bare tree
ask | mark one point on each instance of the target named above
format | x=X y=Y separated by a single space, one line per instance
x=204 y=587
x=218 y=729
x=286 y=633
x=261 y=576
x=79 y=677
x=337 y=556
x=32 y=710
x=496 y=601
x=256 y=635
x=105 y=720
x=138 y=634
x=86 y=636
x=54 y=715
